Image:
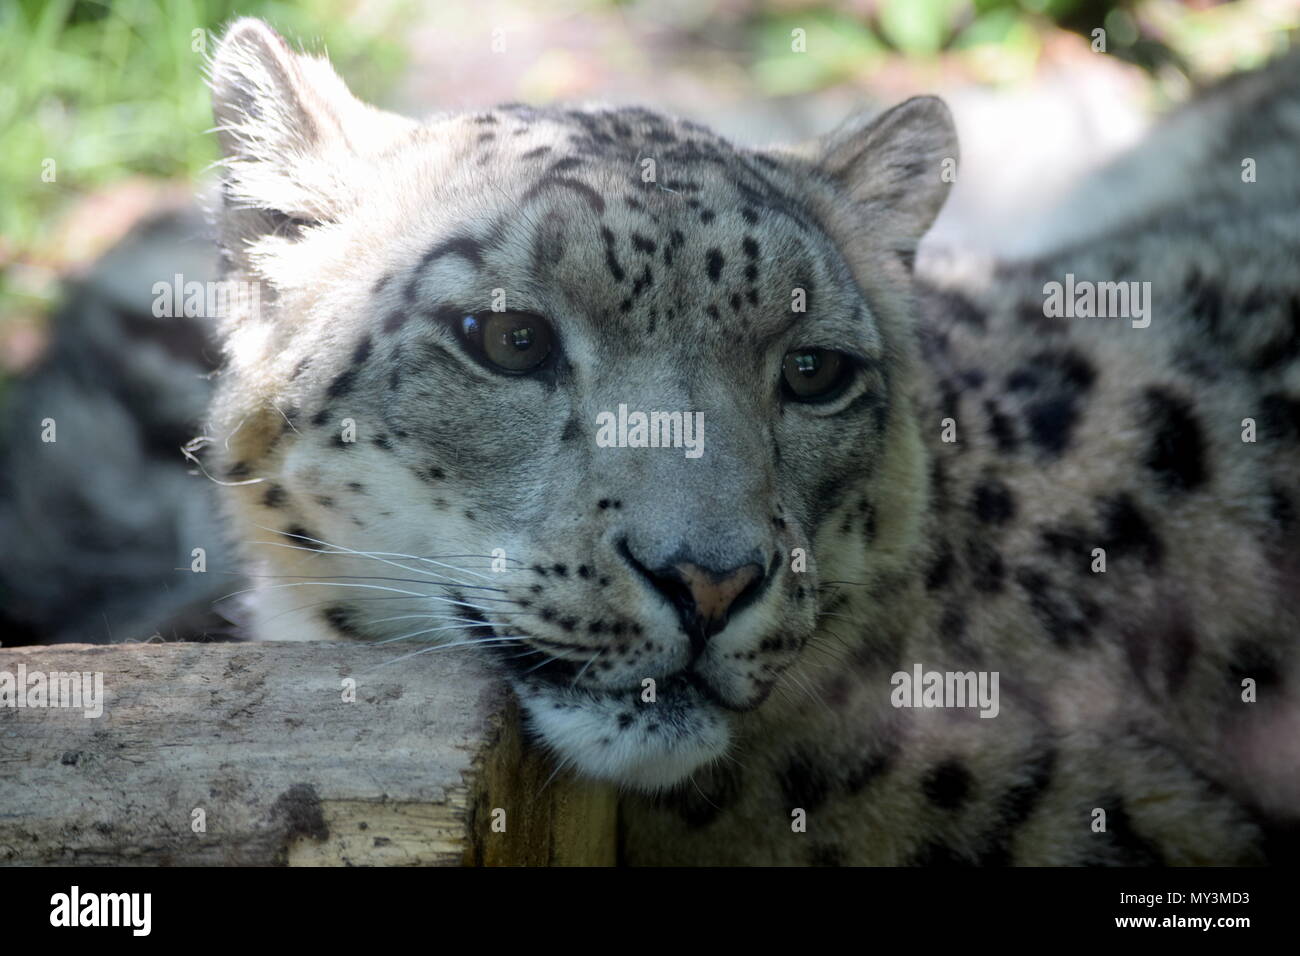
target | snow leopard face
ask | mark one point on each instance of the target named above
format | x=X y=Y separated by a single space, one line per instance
x=594 y=390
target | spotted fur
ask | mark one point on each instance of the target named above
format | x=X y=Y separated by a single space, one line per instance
x=393 y=467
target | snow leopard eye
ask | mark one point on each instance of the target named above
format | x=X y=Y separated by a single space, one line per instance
x=815 y=375
x=514 y=342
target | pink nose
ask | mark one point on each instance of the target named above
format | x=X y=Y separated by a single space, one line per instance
x=714 y=594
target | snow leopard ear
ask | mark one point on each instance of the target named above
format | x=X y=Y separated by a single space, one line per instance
x=296 y=143
x=896 y=167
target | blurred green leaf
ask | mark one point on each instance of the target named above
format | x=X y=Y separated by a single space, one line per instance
x=833 y=48
x=111 y=89
x=992 y=27
x=918 y=27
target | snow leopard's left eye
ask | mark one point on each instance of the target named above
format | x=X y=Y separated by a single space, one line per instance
x=514 y=342
x=815 y=375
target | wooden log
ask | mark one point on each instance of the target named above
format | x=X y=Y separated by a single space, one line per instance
x=254 y=754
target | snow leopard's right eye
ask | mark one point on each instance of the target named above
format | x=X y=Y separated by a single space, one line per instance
x=511 y=342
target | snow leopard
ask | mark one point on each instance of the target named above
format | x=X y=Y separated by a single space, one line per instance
x=913 y=476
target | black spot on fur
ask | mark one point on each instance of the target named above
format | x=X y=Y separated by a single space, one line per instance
x=548 y=183
x=362 y=351
x=1001 y=428
x=1126 y=531
x=1281 y=509
x=940 y=570
x=1252 y=658
x=987 y=568
x=342 y=384
x=611 y=259
x=1022 y=380
x=1125 y=846
x=714 y=263
x=572 y=430
x=708 y=795
x=803 y=782
x=1279 y=417
x=1017 y=805
x=1057 y=377
x=935 y=854
x=466 y=247
x=1068 y=619
x=339 y=617
x=395 y=320
x=993 y=503
x=947 y=785
x=1177 y=451
x=300 y=537
x=1068 y=543
x=1051 y=422
x=275 y=496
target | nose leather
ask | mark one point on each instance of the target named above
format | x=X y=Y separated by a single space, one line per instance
x=714 y=594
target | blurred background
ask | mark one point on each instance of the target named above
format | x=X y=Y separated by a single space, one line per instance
x=105 y=121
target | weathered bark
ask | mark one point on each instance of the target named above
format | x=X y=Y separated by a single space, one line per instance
x=260 y=739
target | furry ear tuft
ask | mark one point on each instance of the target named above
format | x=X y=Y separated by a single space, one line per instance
x=897 y=169
x=289 y=131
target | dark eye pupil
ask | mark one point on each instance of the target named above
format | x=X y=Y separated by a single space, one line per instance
x=514 y=342
x=522 y=338
x=807 y=363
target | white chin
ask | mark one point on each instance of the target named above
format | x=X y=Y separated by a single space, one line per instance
x=592 y=735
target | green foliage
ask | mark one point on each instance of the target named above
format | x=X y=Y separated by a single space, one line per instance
x=111 y=89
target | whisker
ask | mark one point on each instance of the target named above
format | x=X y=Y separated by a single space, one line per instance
x=375 y=555
x=465 y=624
x=559 y=765
x=350 y=577
x=436 y=617
x=590 y=661
x=376 y=587
x=507 y=639
x=304 y=607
